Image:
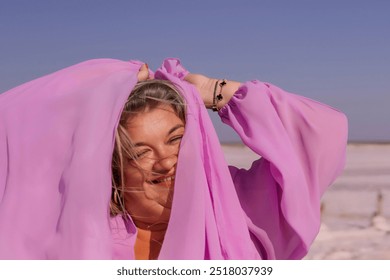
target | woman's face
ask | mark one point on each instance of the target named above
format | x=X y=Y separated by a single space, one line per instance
x=156 y=134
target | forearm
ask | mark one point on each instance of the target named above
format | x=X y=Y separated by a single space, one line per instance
x=206 y=87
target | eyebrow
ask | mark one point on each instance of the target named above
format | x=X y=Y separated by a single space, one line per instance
x=173 y=129
x=176 y=127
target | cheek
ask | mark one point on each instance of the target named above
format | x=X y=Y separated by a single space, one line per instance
x=134 y=178
x=151 y=194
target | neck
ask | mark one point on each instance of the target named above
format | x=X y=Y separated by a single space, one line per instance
x=148 y=243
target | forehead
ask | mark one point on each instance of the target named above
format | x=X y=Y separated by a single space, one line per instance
x=151 y=123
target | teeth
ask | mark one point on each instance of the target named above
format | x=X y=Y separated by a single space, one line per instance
x=163 y=180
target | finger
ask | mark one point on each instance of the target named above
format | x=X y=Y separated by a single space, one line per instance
x=143 y=73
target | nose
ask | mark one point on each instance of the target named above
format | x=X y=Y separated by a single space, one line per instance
x=165 y=164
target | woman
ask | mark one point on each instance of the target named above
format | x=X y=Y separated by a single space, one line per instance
x=150 y=130
x=173 y=197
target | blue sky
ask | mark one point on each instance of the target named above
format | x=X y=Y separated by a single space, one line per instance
x=337 y=52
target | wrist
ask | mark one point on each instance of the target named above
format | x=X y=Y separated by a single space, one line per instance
x=223 y=91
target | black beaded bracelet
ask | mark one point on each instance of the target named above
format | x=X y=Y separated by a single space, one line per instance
x=219 y=97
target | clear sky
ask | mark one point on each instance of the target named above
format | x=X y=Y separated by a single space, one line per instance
x=337 y=52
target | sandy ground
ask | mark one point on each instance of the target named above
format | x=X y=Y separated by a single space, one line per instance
x=346 y=232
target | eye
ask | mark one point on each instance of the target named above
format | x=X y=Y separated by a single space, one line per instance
x=175 y=139
x=140 y=154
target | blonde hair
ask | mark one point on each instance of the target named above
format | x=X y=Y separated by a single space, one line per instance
x=146 y=95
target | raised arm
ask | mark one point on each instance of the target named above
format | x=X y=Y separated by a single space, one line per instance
x=302 y=147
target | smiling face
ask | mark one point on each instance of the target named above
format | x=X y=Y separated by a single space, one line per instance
x=149 y=179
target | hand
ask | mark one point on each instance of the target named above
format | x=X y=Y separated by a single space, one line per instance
x=204 y=85
x=143 y=73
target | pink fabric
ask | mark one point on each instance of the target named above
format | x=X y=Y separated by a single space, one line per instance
x=303 y=148
x=56 y=142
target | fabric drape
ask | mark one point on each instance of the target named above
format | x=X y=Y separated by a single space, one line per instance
x=56 y=144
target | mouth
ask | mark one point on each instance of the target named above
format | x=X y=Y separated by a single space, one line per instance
x=162 y=180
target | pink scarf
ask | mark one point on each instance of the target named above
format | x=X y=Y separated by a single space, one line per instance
x=56 y=143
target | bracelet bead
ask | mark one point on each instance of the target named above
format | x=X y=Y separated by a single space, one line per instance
x=219 y=97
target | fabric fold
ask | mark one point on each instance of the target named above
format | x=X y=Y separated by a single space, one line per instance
x=303 y=146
